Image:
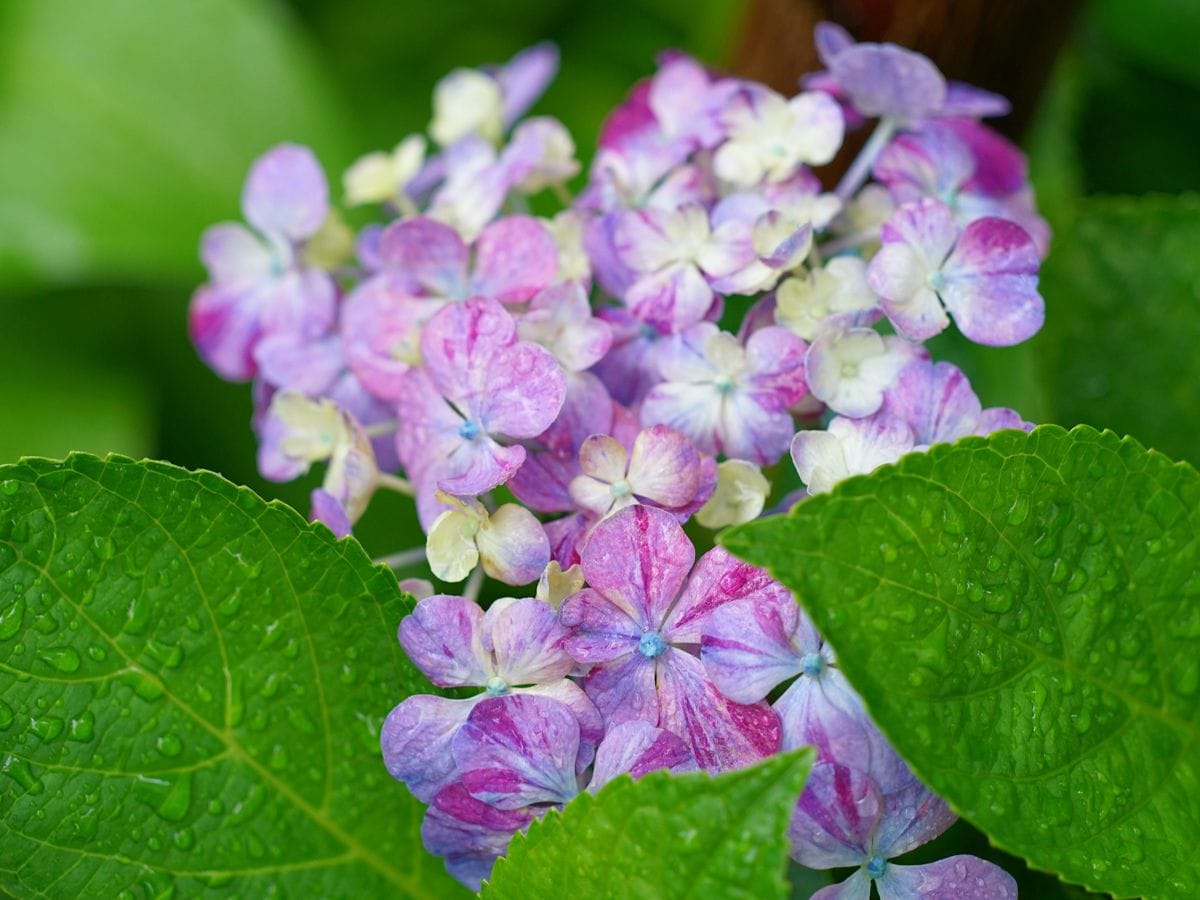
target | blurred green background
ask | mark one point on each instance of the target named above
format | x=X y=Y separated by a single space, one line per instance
x=127 y=126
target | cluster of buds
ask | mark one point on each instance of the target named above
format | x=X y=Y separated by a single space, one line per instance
x=561 y=395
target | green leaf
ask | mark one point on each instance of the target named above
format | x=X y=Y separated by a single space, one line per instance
x=1021 y=615
x=1160 y=34
x=193 y=686
x=662 y=836
x=127 y=127
x=1123 y=320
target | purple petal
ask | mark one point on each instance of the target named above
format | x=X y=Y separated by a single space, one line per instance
x=591 y=723
x=830 y=40
x=954 y=878
x=671 y=299
x=528 y=641
x=329 y=511
x=637 y=747
x=936 y=401
x=623 y=688
x=991 y=284
x=856 y=887
x=429 y=256
x=296 y=363
x=997 y=418
x=515 y=258
x=415 y=740
x=748 y=646
x=638 y=559
x=518 y=750
x=524 y=391
x=720 y=733
x=475 y=467
x=234 y=255
x=525 y=77
x=718 y=578
x=835 y=818
x=560 y=319
x=301 y=302
x=749 y=430
x=469 y=833
x=886 y=80
x=600 y=630
x=969 y=102
x=1000 y=166
x=443 y=636
x=912 y=814
x=286 y=193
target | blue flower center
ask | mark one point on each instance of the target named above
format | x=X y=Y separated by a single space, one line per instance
x=652 y=645
x=621 y=488
x=469 y=430
x=649 y=332
x=812 y=664
x=876 y=866
x=496 y=686
x=937 y=280
x=723 y=384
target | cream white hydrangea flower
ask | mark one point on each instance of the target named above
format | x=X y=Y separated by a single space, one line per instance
x=509 y=543
x=381 y=177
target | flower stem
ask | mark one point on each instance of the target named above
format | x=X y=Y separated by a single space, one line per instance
x=861 y=167
x=397 y=484
x=402 y=559
x=474 y=584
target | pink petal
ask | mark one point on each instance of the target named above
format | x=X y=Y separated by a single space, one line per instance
x=638 y=559
x=444 y=637
x=300 y=301
x=936 y=401
x=720 y=733
x=475 y=467
x=469 y=833
x=223 y=323
x=591 y=723
x=286 y=193
x=459 y=345
x=381 y=330
x=290 y=361
x=518 y=750
x=234 y=255
x=515 y=257
x=753 y=432
x=671 y=299
x=776 y=360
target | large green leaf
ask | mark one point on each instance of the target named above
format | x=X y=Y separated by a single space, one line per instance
x=127 y=126
x=1022 y=616
x=1119 y=348
x=663 y=836
x=193 y=686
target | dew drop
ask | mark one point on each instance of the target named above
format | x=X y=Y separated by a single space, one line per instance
x=166 y=655
x=20 y=771
x=47 y=727
x=278 y=759
x=65 y=659
x=11 y=618
x=97 y=653
x=169 y=745
x=9 y=487
x=185 y=839
x=105 y=548
x=82 y=727
x=6 y=716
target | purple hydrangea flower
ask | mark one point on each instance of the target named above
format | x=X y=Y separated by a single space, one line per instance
x=259 y=283
x=516 y=758
x=560 y=319
x=516 y=646
x=479 y=386
x=938 y=404
x=847 y=818
x=381 y=333
x=984 y=276
x=637 y=624
x=728 y=397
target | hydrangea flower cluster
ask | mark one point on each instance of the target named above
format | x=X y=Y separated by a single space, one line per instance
x=560 y=394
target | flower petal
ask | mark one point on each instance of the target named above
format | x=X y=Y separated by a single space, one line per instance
x=835 y=818
x=720 y=733
x=664 y=466
x=638 y=559
x=718 y=578
x=512 y=545
x=286 y=193
x=856 y=887
x=428 y=255
x=600 y=630
x=524 y=391
x=748 y=646
x=991 y=284
x=591 y=723
x=961 y=877
x=528 y=641
x=623 y=688
x=518 y=750
x=470 y=834
x=450 y=545
x=415 y=740
x=443 y=636
x=637 y=747
x=515 y=257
